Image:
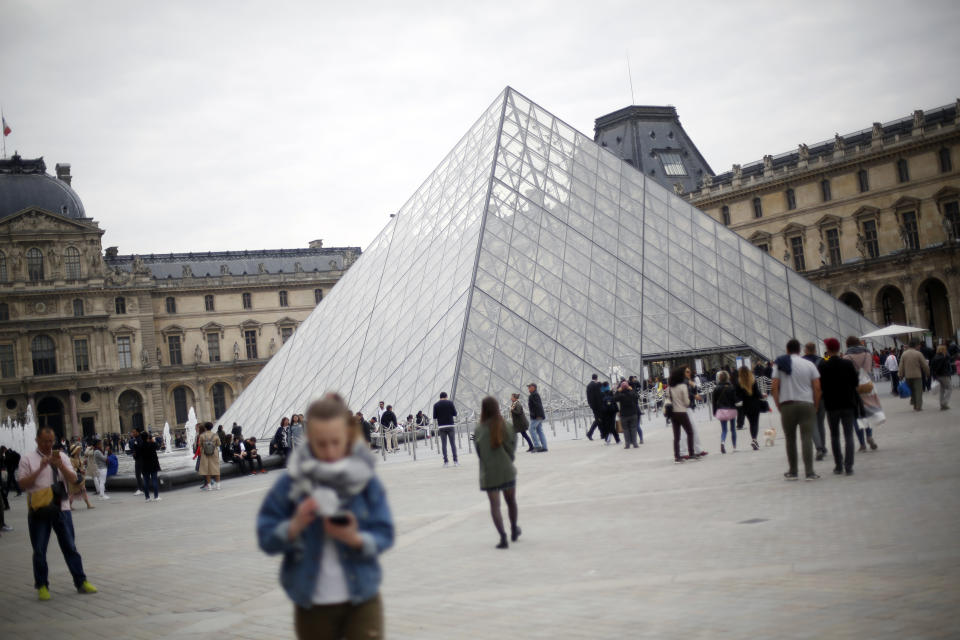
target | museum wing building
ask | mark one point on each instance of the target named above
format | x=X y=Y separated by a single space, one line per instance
x=871 y=216
x=101 y=342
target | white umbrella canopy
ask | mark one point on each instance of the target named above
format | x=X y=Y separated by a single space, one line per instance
x=893 y=330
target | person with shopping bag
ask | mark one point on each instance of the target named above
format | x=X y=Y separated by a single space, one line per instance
x=870 y=410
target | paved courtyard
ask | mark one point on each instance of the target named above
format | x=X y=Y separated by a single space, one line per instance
x=616 y=544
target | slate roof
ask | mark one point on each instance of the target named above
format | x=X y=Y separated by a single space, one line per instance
x=639 y=132
x=852 y=141
x=171 y=265
x=25 y=184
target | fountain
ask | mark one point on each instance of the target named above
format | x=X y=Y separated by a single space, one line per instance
x=191 y=427
x=167 y=441
x=18 y=436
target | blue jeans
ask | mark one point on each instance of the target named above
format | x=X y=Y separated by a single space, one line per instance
x=733 y=431
x=40 y=537
x=150 y=479
x=536 y=434
x=448 y=433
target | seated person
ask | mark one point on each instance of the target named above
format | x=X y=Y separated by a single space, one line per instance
x=250 y=444
x=240 y=455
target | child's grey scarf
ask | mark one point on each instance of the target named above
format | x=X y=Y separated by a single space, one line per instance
x=331 y=484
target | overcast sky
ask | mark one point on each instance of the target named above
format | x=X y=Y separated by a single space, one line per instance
x=198 y=126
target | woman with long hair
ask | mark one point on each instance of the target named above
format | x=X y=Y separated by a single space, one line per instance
x=496 y=444
x=749 y=398
x=725 y=409
x=678 y=396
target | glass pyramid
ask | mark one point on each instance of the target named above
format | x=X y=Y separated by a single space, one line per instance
x=532 y=255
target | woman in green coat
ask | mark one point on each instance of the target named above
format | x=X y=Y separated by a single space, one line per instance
x=496 y=444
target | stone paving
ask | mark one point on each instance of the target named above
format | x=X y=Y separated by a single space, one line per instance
x=616 y=544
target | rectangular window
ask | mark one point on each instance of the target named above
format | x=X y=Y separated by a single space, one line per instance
x=791 y=200
x=171 y=305
x=7 y=369
x=833 y=247
x=3 y=267
x=285 y=333
x=825 y=190
x=870 y=238
x=796 y=247
x=863 y=180
x=764 y=247
x=124 y=354
x=317 y=295
x=911 y=233
x=4 y=311
x=120 y=305
x=672 y=164
x=213 y=346
x=250 y=339
x=757 y=208
x=78 y=308
x=946 y=164
x=173 y=345
x=725 y=215
x=247 y=301
x=903 y=171
x=951 y=214
x=81 y=355
x=283 y=299
x=208 y=303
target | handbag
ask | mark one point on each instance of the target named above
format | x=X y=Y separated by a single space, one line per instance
x=45 y=504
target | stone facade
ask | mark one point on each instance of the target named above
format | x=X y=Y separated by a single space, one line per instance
x=100 y=343
x=872 y=217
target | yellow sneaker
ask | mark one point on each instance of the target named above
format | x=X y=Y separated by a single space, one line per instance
x=43 y=593
x=86 y=587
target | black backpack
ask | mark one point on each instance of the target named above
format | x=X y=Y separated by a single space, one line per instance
x=609 y=405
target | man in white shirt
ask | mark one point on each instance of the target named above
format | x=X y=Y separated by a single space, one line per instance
x=891 y=364
x=35 y=474
x=796 y=391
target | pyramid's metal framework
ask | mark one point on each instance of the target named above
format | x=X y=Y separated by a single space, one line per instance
x=532 y=255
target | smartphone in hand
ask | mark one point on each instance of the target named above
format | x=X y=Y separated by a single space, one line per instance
x=340 y=520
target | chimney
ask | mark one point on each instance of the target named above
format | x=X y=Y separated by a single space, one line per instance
x=112 y=252
x=63 y=172
x=316 y=244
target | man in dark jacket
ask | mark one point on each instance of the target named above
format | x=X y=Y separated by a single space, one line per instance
x=626 y=397
x=537 y=416
x=594 y=401
x=444 y=413
x=839 y=381
x=11 y=460
x=388 y=420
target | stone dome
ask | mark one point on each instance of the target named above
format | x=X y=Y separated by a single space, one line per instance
x=25 y=184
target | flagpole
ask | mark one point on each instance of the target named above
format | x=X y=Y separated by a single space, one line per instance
x=4 y=136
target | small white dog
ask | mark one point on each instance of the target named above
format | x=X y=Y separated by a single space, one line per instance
x=768 y=436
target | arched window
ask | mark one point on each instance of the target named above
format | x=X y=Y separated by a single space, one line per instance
x=180 y=404
x=34 y=265
x=120 y=304
x=171 y=304
x=3 y=267
x=71 y=263
x=77 y=308
x=219 y=393
x=247 y=301
x=44 y=356
x=283 y=299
